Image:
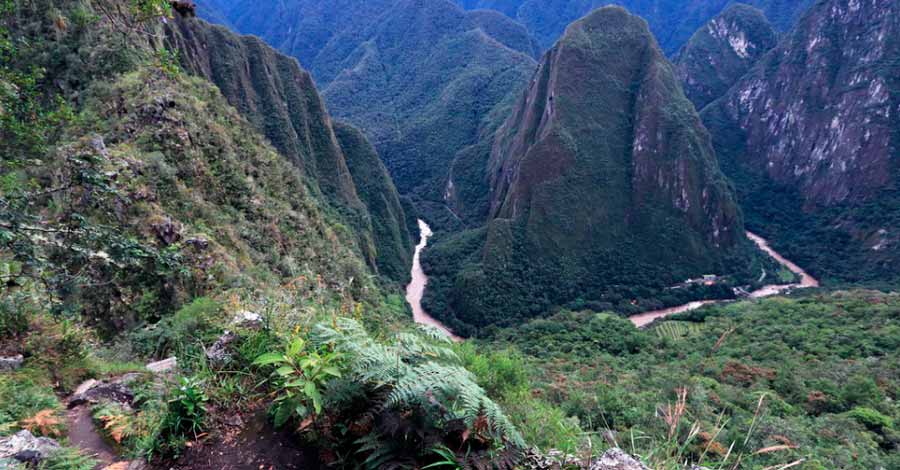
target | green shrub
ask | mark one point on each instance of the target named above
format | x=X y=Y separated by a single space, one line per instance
x=186 y=411
x=871 y=419
x=15 y=311
x=68 y=458
x=396 y=400
x=180 y=334
x=21 y=397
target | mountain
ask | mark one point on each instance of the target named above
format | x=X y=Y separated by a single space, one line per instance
x=722 y=51
x=672 y=21
x=810 y=138
x=418 y=77
x=158 y=250
x=602 y=177
x=393 y=255
x=282 y=102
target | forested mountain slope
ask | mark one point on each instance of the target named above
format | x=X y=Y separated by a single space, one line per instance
x=144 y=218
x=418 y=77
x=810 y=137
x=596 y=192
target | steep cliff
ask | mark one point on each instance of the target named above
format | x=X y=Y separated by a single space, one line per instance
x=722 y=51
x=393 y=243
x=602 y=177
x=810 y=137
x=272 y=92
x=282 y=102
x=417 y=77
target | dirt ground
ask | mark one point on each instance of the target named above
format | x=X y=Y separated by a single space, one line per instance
x=246 y=442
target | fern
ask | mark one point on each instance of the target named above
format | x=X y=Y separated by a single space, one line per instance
x=421 y=372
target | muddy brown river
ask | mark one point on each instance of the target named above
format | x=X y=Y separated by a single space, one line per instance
x=643 y=319
x=416 y=288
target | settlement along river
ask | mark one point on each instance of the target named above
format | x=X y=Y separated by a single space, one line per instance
x=416 y=288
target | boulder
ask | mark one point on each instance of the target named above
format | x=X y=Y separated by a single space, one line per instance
x=163 y=366
x=247 y=319
x=25 y=447
x=219 y=354
x=617 y=459
x=11 y=363
x=94 y=391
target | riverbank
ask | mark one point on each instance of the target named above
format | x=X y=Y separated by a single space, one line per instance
x=806 y=281
x=416 y=288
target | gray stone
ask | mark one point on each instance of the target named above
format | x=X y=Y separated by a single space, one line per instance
x=247 y=319
x=94 y=391
x=24 y=446
x=165 y=365
x=617 y=459
x=11 y=363
x=219 y=354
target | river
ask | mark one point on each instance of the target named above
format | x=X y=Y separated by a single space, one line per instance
x=643 y=319
x=416 y=288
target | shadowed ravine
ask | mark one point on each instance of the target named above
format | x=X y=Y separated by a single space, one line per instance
x=416 y=288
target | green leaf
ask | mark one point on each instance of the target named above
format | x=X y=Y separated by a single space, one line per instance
x=295 y=347
x=269 y=358
x=312 y=392
x=332 y=371
x=285 y=371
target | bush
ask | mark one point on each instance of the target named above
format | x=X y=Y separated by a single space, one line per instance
x=14 y=315
x=395 y=401
x=21 y=397
x=871 y=419
x=180 y=334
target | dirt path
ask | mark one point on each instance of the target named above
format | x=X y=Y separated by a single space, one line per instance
x=416 y=288
x=83 y=434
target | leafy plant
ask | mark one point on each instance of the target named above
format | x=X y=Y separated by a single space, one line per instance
x=302 y=374
x=186 y=409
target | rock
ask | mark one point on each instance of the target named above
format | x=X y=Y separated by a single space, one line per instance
x=132 y=465
x=167 y=231
x=25 y=447
x=94 y=391
x=246 y=319
x=163 y=366
x=617 y=459
x=85 y=386
x=219 y=354
x=551 y=460
x=11 y=363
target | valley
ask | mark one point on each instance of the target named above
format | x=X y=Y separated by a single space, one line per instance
x=460 y=234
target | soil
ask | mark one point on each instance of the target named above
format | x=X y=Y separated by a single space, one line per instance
x=83 y=434
x=246 y=441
